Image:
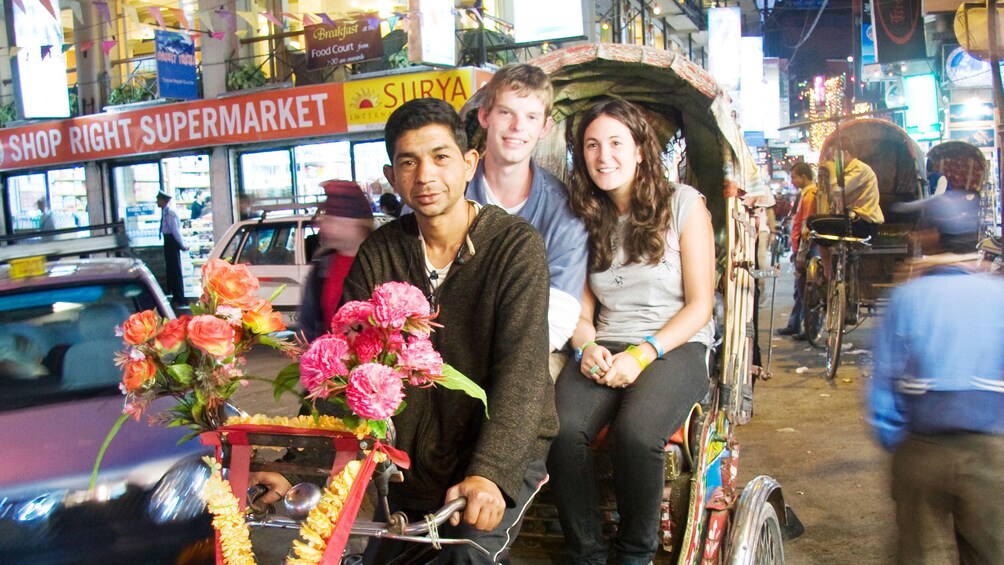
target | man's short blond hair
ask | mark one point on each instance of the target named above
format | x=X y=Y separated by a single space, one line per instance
x=525 y=80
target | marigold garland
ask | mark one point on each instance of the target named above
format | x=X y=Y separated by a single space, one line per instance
x=235 y=537
x=305 y=422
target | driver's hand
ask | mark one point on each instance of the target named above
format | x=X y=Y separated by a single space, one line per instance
x=485 y=503
x=276 y=484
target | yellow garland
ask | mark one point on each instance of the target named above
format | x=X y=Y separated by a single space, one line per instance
x=235 y=537
x=330 y=423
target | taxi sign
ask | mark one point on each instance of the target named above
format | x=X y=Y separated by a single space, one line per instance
x=27 y=267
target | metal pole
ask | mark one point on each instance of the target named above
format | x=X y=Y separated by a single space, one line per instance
x=995 y=73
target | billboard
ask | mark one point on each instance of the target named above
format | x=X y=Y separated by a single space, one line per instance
x=724 y=38
x=40 y=65
x=343 y=41
x=177 y=76
x=899 y=30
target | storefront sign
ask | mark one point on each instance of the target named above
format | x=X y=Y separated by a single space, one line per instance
x=368 y=103
x=301 y=112
x=176 y=65
x=899 y=30
x=280 y=114
x=345 y=41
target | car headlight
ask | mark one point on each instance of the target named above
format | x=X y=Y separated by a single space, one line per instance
x=178 y=495
x=38 y=508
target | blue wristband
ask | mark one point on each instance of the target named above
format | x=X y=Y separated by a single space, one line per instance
x=580 y=349
x=655 y=345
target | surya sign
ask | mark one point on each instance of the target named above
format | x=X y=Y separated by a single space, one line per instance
x=368 y=103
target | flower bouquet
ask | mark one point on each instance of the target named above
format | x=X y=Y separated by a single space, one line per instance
x=376 y=347
x=197 y=359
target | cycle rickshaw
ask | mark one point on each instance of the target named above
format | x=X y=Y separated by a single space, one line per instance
x=862 y=267
x=706 y=517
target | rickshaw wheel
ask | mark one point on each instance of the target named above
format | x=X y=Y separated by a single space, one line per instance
x=814 y=307
x=836 y=310
x=768 y=538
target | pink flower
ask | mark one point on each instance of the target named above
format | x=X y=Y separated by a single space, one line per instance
x=323 y=360
x=351 y=315
x=395 y=302
x=420 y=360
x=374 y=391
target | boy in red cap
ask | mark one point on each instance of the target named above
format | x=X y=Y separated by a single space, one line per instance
x=343 y=222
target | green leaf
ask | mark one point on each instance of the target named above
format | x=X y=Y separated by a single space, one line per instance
x=277 y=292
x=182 y=373
x=378 y=427
x=455 y=380
x=104 y=446
x=286 y=380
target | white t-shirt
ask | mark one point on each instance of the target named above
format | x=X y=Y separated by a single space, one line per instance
x=637 y=299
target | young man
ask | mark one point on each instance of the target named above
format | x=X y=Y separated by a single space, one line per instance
x=936 y=398
x=516 y=114
x=486 y=272
x=801 y=177
x=170 y=231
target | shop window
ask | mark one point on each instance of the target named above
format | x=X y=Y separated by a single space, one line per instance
x=319 y=162
x=369 y=159
x=62 y=192
x=267 y=175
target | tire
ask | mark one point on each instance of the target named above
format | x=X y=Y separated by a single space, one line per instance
x=853 y=294
x=768 y=549
x=836 y=309
x=813 y=305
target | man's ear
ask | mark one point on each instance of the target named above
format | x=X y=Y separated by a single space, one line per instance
x=483 y=116
x=471 y=161
x=548 y=124
x=388 y=173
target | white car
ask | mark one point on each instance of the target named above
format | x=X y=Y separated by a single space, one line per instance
x=277 y=251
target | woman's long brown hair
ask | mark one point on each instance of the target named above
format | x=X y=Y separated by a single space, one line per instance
x=649 y=212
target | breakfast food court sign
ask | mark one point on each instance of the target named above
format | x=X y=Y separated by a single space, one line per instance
x=293 y=113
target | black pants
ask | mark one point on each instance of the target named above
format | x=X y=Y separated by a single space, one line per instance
x=172 y=267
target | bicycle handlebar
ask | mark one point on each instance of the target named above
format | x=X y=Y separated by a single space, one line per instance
x=845 y=238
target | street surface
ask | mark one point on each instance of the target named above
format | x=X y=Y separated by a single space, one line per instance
x=808 y=435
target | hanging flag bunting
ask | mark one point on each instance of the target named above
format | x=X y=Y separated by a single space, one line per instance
x=154 y=12
x=230 y=19
x=67 y=47
x=46 y=49
x=86 y=46
x=308 y=20
x=206 y=18
x=20 y=4
x=392 y=21
x=48 y=6
x=133 y=15
x=291 y=17
x=250 y=17
x=218 y=35
x=271 y=17
x=325 y=19
x=179 y=15
x=12 y=50
x=106 y=15
x=107 y=46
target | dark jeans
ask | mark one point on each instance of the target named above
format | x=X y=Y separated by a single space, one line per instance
x=795 y=318
x=172 y=267
x=948 y=504
x=644 y=416
x=497 y=541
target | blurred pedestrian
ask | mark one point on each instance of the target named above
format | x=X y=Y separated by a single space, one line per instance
x=343 y=222
x=170 y=231
x=937 y=398
x=801 y=177
x=46 y=222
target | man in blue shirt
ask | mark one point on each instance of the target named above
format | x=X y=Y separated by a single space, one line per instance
x=516 y=114
x=170 y=230
x=937 y=397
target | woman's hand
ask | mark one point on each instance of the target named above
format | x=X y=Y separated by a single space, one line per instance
x=624 y=370
x=596 y=361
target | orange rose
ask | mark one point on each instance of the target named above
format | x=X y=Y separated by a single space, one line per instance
x=171 y=338
x=212 y=335
x=261 y=319
x=230 y=284
x=140 y=328
x=138 y=372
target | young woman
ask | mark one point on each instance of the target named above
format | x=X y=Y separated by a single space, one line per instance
x=642 y=366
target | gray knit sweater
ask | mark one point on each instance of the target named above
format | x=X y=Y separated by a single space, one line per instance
x=493 y=309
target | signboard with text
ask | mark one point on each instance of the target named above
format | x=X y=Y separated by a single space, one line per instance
x=345 y=41
x=899 y=30
x=301 y=112
x=177 y=76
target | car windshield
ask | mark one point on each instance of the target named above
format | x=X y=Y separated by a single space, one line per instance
x=59 y=342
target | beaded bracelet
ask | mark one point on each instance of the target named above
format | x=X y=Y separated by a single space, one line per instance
x=655 y=345
x=639 y=356
x=582 y=348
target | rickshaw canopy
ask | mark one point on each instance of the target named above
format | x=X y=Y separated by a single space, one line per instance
x=962 y=163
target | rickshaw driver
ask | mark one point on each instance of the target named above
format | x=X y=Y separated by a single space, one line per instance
x=486 y=272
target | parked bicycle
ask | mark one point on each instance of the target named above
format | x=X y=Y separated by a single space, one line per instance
x=839 y=306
